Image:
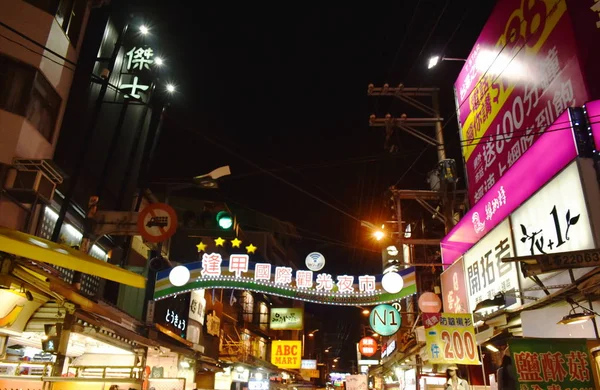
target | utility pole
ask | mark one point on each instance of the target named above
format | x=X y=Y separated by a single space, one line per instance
x=441 y=199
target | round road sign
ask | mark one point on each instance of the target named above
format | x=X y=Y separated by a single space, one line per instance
x=367 y=346
x=430 y=303
x=157 y=222
x=385 y=320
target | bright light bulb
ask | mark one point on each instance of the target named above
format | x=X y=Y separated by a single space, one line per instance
x=179 y=275
x=379 y=235
x=433 y=61
x=158 y=61
x=392 y=282
x=170 y=88
x=144 y=30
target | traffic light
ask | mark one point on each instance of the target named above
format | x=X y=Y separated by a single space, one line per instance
x=224 y=220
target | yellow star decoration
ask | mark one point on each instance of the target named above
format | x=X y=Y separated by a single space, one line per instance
x=235 y=243
x=201 y=247
x=219 y=241
x=251 y=248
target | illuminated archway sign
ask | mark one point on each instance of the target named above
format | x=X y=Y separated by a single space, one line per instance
x=241 y=274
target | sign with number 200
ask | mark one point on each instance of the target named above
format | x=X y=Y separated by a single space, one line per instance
x=451 y=339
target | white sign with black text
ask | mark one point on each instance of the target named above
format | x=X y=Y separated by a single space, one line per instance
x=485 y=274
x=555 y=219
x=197 y=306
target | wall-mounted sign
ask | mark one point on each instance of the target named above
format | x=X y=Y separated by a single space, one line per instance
x=515 y=187
x=450 y=338
x=486 y=274
x=256 y=384
x=367 y=346
x=308 y=374
x=197 y=306
x=286 y=354
x=430 y=303
x=385 y=320
x=388 y=348
x=239 y=273
x=240 y=374
x=283 y=318
x=558 y=364
x=136 y=75
x=454 y=289
x=309 y=364
x=555 y=219
x=315 y=261
x=157 y=222
x=16 y=309
x=213 y=323
x=500 y=114
x=173 y=313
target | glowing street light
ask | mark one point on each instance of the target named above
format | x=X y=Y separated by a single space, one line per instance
x=159 y=61
x=144 y=30
x=170 y=88
x=378 y=234
x=366 y=312
x=312 y=333
x=434 y=60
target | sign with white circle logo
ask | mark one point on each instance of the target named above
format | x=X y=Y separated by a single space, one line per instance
x=315 y=261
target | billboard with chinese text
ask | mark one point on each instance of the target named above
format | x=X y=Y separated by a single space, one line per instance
x=552 y=363
x=556 y=218
x=450 y=338
x=485 y=273
x=240 y=273
x=526 y=176
x=522 y=73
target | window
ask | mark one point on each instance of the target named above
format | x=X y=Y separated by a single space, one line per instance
x=70 y=18
x=248 y=306
x=26 y=92
x=263 y=321
x=50 y=6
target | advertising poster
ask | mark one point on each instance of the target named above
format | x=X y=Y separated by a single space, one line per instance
x=522 y=73
x=450 y=338
x=356 y=382
x=558 y=364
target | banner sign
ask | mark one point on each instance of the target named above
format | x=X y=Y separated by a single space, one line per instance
x=517 y=185
x=454 y=289
x=450 y=338
x=486 y=273
x=555 y=219
x=241 y=274
x=592 y=110
x=559 y=364
x=522 y=73
x=286 y=354
x=283 y=318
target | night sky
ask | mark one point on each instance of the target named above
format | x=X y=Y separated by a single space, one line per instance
x=284 y=89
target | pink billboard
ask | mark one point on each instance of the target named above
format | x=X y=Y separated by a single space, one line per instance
x=544 y=159
x=522 y=73
x=593 y=113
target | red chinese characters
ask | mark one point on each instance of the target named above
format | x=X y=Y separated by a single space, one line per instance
x=211 y=264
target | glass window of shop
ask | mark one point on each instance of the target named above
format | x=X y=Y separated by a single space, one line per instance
x=248 y=306
x=263 y=310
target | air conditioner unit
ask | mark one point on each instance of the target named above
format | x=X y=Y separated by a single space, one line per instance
x=29 y=180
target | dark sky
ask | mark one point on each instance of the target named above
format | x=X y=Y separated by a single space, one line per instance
x=285 y=89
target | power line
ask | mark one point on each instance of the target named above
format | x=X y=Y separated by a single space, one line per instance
x=275 y=176
x=35 y=52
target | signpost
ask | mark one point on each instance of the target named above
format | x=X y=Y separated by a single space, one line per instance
x=385 y=320
x=540 y=264
x=157 y=222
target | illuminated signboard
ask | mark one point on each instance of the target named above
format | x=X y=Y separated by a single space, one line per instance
x=286 y=353
x=283 y=318
x=240 y=273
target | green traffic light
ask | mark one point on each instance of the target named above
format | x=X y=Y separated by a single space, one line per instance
x=224 y=220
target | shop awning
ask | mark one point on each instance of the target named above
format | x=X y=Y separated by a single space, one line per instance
x=39 y=249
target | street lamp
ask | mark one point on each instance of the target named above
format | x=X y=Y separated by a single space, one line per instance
x=378 y=233
x=144 y=29
x=170 y=88
x=209 y=180
x=159 y=61
x=434 y=60
x=312 y=333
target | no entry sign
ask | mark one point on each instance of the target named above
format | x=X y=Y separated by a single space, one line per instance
x=157 y=222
